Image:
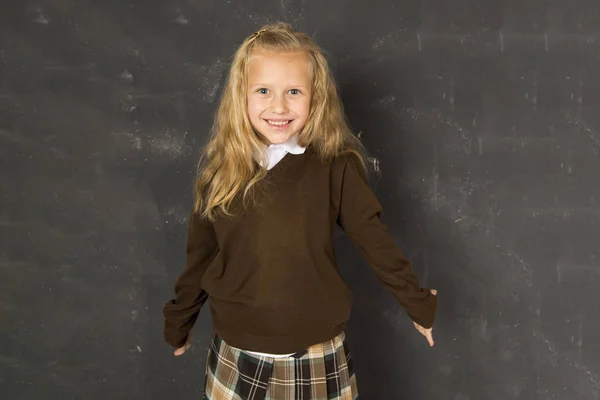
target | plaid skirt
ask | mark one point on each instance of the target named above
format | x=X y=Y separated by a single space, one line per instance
x=323 y=372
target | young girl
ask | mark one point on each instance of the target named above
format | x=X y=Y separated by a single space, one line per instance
x=281 y=170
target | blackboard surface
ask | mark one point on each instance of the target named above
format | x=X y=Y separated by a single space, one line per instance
x=483 y=118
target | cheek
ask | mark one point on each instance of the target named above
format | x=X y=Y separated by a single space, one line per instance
x=253 y=108
x=306 y=109
x=256 y=104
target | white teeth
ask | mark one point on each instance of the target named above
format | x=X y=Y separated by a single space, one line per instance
x=282 y=123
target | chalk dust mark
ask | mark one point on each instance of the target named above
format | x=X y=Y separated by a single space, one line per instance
x=385 y=101
x=467 y=135
x=528 y=276
x=169 y=144
x=435 y=181
x=181 y=19
x=41 y=18
x=176 y=215
x=501 y=40
x=16 y=137
x=131 y=139
x=255 y=18
x=581 y=271
x=593 y=135
x=451 y=98
x=208 y=77
x=379 y=42
x=11 y=362
x=485 y=333
x=128 y=104
x=553 y=353
x=127 y=76
x=580 y=95
x=390 y=40
x=132 y=51
x=289 y=11
x=551 y=347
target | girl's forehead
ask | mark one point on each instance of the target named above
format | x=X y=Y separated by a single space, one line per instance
x=271 y=65
x=262 y=56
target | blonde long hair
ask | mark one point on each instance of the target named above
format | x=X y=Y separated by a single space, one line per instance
x=227 y=166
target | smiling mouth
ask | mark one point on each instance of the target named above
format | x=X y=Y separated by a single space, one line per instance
x=278 y=124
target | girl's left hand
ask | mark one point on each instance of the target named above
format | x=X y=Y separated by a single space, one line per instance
x=427 y=332
x=184 y=348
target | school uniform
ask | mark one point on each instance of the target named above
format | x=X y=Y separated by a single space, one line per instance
x=278 y=303
x=324 y=371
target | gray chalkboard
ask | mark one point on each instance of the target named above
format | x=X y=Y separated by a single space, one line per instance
x=483 y=118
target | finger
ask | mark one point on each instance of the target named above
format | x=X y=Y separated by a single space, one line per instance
x=429 y=337
x=182 y=349
x=433 y=292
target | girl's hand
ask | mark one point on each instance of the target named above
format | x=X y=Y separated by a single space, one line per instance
x=183 y=349
x=427 y=332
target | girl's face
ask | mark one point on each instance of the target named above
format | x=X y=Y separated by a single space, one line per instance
x=279 y=92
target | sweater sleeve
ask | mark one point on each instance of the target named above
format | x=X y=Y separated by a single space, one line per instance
x=359 y=217
x=181 y=312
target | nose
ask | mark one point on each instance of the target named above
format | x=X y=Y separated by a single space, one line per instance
x=279 y=104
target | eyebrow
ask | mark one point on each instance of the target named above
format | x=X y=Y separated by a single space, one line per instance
x=266 y=84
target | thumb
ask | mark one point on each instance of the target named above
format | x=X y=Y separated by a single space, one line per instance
x=433 y=292
x=183 y=348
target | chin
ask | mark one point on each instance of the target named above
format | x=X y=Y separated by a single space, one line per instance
x=277 y=138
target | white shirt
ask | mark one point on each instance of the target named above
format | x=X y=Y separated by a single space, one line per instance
x=275 y=153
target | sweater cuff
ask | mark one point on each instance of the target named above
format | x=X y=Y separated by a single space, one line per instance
x=425 y=312
x=174 y=338
x=177 y=324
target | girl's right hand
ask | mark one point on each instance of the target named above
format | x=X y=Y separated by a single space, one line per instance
x=424 y=331
x=183 y=349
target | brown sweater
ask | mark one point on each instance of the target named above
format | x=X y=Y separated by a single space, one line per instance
x=270 y=273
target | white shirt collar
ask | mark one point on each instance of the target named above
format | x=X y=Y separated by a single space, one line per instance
x=276 y=152
x=290 y=146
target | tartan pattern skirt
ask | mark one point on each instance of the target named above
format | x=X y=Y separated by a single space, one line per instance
x=323 y=372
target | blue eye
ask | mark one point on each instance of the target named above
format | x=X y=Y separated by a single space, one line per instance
x=295 y=91
x=262 y=90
